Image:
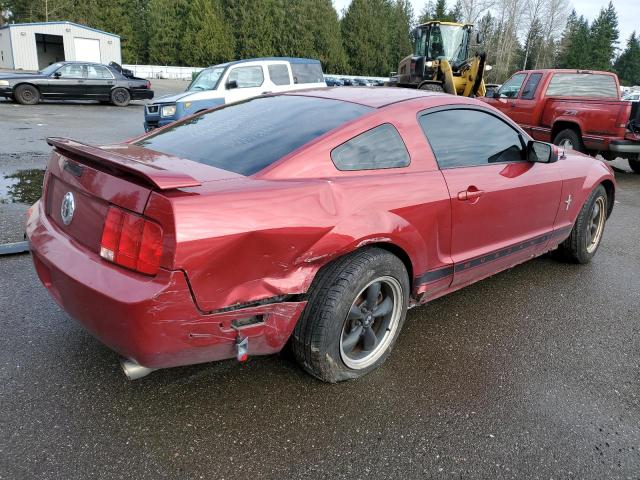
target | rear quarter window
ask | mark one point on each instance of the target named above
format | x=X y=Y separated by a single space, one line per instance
x=582 y=85
x=307 y=73
x=378 y=148
x=247 y=137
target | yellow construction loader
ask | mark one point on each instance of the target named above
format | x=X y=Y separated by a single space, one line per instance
x=441 y=60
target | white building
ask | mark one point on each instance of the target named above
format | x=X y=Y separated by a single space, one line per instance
x=33 y=46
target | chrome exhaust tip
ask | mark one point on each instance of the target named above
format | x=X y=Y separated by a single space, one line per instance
x=133 y=370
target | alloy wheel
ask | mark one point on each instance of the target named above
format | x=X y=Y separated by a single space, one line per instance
x=371 y=323
x=595 y=225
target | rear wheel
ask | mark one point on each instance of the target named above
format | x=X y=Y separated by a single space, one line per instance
x=634 y=163
x=587 y=232
x=569 y=140
x=26 y=94
x=120 y=97
x=357 y=306
x=432 y=87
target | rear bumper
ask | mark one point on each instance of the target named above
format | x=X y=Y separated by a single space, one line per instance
x=624 y=146
x=152 y=320
x=141 y=94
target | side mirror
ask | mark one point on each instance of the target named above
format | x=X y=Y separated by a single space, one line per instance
x=496 y=93
x=541 y=152
x=231 y=84
x=56 y=75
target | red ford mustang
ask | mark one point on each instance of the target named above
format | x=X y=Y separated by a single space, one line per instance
x=315 y=218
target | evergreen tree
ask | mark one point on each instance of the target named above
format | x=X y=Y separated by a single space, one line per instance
x=439 y=11
x=627 y=65
x=603 y=39
x=575 y=44
x=322 y=24
x=256 y=25
x=400 y=31
x=207 y=38
x=166 y=30
x=365 y=33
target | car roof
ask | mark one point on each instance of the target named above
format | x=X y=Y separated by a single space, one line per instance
x=270 y=59
x=367 y=96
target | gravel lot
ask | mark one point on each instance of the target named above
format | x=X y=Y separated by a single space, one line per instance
x=533 y=373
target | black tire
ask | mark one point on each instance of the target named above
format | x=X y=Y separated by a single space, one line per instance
x=579 y=247
x=432 y=87
x=634 y=164
x=318 y=339
x=569 y=136
x=120 y=97
x=26 y=95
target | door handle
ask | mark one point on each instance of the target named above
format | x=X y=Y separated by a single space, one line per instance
x=470 y=193
x=265 y=93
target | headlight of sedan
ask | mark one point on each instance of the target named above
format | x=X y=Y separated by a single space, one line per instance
x=4 y=83
x=168 y=111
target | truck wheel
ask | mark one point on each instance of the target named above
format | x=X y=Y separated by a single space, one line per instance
x=570 y=140
x=587 y=232
x=432 y=87
x=120 y=97
x=356 y=308
x=26 y=95
x=634 y=163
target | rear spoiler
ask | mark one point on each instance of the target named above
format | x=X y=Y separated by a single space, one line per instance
x=159 y=177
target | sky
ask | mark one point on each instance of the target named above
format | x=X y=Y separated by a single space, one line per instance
x=628 y=13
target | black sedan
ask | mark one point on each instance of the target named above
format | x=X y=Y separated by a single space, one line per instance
x=76 y=81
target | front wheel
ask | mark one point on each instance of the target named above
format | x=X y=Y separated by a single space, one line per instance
x=356 y=308
x=26 y=95
x=120 y=97
x=432 y=87
x=587 y=232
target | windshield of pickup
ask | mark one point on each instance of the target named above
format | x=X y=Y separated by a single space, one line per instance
x=207 y=79
x=583 y=85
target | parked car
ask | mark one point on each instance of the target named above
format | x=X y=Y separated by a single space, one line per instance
x=347 y=82
x=577 y=109
x=361 y=82
x=333 y=82
x=632 y=97
x=76 y=81
x=314 y=217
x=233 y=82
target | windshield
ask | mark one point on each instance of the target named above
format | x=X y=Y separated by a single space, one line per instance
x=51 y=68
x=207 y=79
x=442 y=42
x=247 y=137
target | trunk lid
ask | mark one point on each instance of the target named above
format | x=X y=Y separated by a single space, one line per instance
x=82 y=181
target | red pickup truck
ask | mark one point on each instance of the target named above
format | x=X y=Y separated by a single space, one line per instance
x=575 y=109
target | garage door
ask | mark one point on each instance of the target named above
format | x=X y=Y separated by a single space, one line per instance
x=87 y=49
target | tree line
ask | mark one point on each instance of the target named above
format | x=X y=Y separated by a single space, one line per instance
x=369 y=37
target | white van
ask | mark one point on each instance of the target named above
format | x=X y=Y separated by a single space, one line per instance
x=234 y=81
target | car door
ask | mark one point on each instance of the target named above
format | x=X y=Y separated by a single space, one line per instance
x=68 y=81
x=502 y=206
x=245 y=82
x=508 y=92
x=99 y=82
x=524 y=105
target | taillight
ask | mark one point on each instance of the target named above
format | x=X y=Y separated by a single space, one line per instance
x=131 y=241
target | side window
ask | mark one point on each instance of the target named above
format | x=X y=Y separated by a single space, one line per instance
x=511 y=87
x=96 y=72
x=279 y=74
x=71 y=70
x=307 y=73
x=480 y=138
x=530 y=87
x=380 y=147
x=247 y=77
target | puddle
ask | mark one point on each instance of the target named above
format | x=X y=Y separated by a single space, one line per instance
x=21 y=186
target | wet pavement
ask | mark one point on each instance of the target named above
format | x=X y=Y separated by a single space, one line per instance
x=533 y=373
